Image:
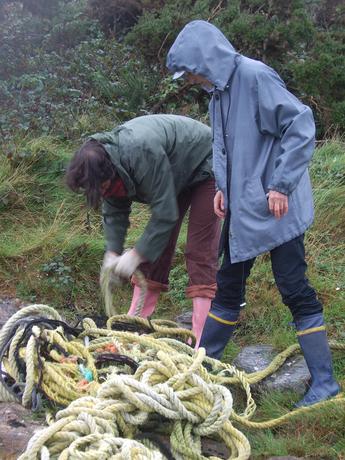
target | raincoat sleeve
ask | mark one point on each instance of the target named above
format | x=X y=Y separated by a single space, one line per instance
x=115 y=223
x=155 y=182
x=283 y=116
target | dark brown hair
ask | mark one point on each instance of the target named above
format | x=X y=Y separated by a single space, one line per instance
x=90 y=167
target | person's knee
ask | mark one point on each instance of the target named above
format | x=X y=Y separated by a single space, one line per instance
x=301 y=300
x=296 y=292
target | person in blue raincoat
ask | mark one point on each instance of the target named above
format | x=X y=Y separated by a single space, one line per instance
x=263 y=141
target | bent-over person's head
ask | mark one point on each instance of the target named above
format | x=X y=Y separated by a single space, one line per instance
x=91 y=172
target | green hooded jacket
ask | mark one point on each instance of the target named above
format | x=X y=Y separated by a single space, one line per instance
x=157 y=157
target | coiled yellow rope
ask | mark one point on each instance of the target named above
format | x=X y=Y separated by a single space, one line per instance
x=107 y=411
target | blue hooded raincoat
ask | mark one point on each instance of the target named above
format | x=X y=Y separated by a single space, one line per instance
x=263 y=139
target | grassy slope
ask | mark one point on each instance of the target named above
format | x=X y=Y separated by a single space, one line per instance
x=51 y=248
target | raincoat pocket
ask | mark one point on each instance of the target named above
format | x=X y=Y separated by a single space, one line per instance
x=257 y=200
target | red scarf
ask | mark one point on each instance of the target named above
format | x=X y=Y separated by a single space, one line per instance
x=117 y=189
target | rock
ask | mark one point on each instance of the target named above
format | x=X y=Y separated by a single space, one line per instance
x=17 y=302
x=185 y=319
x=8 y=307
x=210 y=447
x=254 y=358
x=16 y=428
x=293 y=375
x=214 y=448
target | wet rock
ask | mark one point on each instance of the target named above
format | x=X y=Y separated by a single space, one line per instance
x=185 y=320
x=293 y=375
x=16 y=428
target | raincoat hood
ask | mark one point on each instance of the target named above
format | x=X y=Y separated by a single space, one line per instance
x=201 y=49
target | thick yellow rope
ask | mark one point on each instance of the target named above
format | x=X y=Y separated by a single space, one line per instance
x=107 y=411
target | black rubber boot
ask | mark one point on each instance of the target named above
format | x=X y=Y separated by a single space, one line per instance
x=219 y=327
x=312 y=338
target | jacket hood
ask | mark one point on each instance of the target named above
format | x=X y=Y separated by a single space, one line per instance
x=202 y=49
x=110 y=141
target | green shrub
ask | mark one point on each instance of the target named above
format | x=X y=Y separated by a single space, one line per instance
x=115 y=16
x=59 y=68
x=303 y=41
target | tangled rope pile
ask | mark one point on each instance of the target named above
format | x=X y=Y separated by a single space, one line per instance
x=122 y=379
x=39 y=352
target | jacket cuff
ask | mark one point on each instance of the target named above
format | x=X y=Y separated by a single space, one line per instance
x=280 y=189
x=114 y=246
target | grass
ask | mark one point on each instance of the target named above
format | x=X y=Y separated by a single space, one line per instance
x=318 y=436
x=51 y=249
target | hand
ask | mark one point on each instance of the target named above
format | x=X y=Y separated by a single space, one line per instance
x=278 y=204
x=218 y=204
x=128 y=263
x=110 y=261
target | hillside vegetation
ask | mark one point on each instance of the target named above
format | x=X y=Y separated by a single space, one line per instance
x=70 y=68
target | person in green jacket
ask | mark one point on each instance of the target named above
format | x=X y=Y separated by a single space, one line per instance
x=164 y=161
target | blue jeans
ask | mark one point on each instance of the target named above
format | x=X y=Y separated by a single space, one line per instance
x=289 y=268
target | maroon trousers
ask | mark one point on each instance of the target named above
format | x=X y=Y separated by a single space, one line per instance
x=201 y=250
